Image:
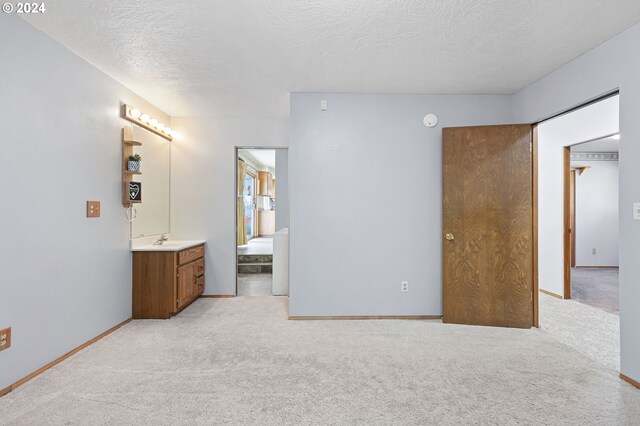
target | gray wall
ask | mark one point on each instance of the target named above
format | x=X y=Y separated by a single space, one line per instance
x=282 y=189
x=597 y=214
x=613 y=64
x=203 y=193
x=65 y=278
x=365 y=191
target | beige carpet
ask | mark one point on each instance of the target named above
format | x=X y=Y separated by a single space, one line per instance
x=591 y=331
x=253 y=285
x=239 y=361
x=597 y=287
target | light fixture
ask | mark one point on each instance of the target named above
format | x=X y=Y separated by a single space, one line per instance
x=616 y=136
x=136 y=116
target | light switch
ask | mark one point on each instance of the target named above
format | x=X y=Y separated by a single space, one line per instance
x=5 y=338
x=636 y=211
x=93 y=208
x=323 y=105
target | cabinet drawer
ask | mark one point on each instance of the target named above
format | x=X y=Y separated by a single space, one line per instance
x=189 y=255
x=200 y=266
x=200 y=284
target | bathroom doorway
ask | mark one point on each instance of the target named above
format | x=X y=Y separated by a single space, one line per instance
x=262 y=221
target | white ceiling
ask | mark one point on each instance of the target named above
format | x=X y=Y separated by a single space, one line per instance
x=243 y=57
x=264 y=157
x=600 y=145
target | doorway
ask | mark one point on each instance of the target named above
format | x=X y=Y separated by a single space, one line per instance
x=591 y=266
x=578 y=229
x=261 y=221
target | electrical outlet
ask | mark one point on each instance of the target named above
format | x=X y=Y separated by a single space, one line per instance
x=593 y=251
x=5 y=338
x=404 y=286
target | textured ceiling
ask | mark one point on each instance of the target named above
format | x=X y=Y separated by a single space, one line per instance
x=243 y=57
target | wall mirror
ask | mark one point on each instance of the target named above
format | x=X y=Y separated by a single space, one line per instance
x=152 y=217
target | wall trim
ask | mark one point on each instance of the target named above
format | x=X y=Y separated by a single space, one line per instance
x=60 y=359
x=630 y=380
x=594 y=156
x=366 y=317
x=597 y=267
x=216 y=296
x=551 y=293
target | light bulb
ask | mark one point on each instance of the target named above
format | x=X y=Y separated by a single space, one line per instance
x=167 y=130
x=145 y=118
x=153 y=122
x=135 y=112
x=160 y=126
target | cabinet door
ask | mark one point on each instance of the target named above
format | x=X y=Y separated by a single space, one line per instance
x=200 y=285
x=265 y=183
x=186 y=284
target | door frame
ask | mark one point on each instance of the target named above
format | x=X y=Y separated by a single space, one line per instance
x=534 y=198
x=572 y=213
x=566 y=177
x=235 y=201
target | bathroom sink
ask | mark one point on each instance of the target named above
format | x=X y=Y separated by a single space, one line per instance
x=172 y=245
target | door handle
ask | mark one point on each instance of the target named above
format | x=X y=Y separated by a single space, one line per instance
x=449 y=237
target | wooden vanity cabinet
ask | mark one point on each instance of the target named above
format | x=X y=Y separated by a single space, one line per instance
x=165 y=282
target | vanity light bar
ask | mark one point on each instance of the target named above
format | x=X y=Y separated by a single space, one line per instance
x=136 y=116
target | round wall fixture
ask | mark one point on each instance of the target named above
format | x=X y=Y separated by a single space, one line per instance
x=430 y=120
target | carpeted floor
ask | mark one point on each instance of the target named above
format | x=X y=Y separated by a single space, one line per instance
x=239 y=361
x=591 y=331
x=255 y=285
x=597 y=287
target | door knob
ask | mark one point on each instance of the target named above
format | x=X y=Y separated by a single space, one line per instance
x=449 y=237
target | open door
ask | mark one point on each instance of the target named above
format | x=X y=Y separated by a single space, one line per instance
x=488 y=226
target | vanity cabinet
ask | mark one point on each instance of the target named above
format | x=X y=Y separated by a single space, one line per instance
x=165 y=282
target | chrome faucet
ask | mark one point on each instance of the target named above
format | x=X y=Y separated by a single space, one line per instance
x=161 y=240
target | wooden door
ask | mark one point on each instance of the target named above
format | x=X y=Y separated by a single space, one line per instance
x=488 y=227
x=186 y=284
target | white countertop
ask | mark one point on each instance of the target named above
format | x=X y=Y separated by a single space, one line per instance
x=171 y=245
